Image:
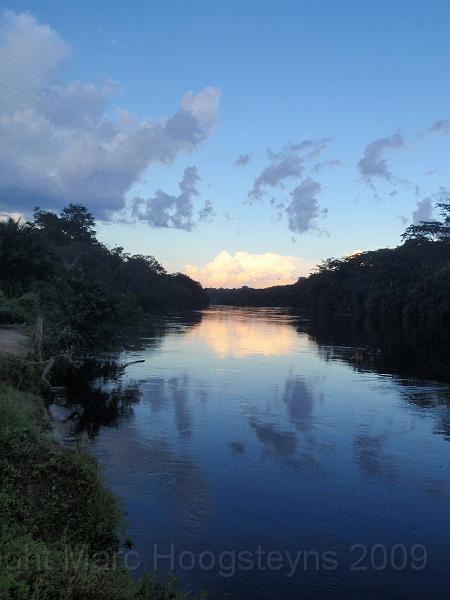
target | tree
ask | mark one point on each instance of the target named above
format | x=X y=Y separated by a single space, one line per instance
x=24 y=257
x=78 y=223
x=148 y=263
x=445 y=212
x=73 y=224
x=430 y=231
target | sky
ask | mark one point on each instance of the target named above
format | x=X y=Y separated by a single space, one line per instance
x=240 y=142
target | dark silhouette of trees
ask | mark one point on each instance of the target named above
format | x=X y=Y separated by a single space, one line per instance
x=55 y=266
x=431 y=231
x=409 y=284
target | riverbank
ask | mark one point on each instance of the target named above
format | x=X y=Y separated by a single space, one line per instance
x=60 y=524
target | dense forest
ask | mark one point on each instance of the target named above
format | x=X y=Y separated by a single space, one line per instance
x=55 y=267
x=409 y=284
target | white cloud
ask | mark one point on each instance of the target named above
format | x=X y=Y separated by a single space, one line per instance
x=253 y=270
x=59 y=142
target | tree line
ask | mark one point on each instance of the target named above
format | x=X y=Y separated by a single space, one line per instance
x=409 y=284
x=54 y=266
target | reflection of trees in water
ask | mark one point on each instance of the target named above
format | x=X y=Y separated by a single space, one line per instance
x=155 y=327
x=95 y=393
x=370 y=346
x=377 y=346
x=95 y=396
x=104 y=408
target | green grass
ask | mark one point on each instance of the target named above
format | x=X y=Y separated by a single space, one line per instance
x=59 y=523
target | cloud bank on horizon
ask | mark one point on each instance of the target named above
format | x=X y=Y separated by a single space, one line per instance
x=254 y=270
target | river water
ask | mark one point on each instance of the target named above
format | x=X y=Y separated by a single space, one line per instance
x=262 y=456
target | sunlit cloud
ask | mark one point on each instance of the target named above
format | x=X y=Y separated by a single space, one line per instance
x=253 y=270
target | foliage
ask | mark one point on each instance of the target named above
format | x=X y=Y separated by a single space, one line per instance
x=59 y=535
x=87 y=293
x=409 y=284
x=22 y=309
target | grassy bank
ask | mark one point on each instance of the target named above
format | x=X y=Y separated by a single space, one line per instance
x=59 y=523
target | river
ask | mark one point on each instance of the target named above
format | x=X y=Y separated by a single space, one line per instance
x=265 y=456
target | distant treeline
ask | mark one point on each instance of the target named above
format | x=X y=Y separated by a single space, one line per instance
x=55 y=267
x=409 y=284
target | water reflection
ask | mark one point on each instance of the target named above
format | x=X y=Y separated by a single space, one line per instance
x=373 y=459
x=94 y=396
x=299 y=401
x=238 y=333
x=261 y=427
x=281 y=444
x=368 y=344
x=175 y=392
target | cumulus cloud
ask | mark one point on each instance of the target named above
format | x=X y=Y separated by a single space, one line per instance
x=286 y=165
x=254 y=270
x=423 y=212
x=173 y=211
x=59 y=142
x=242 y=160
x=304 y=209
x=373 y=164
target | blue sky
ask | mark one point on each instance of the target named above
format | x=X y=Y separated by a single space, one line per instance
x=349 y=73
